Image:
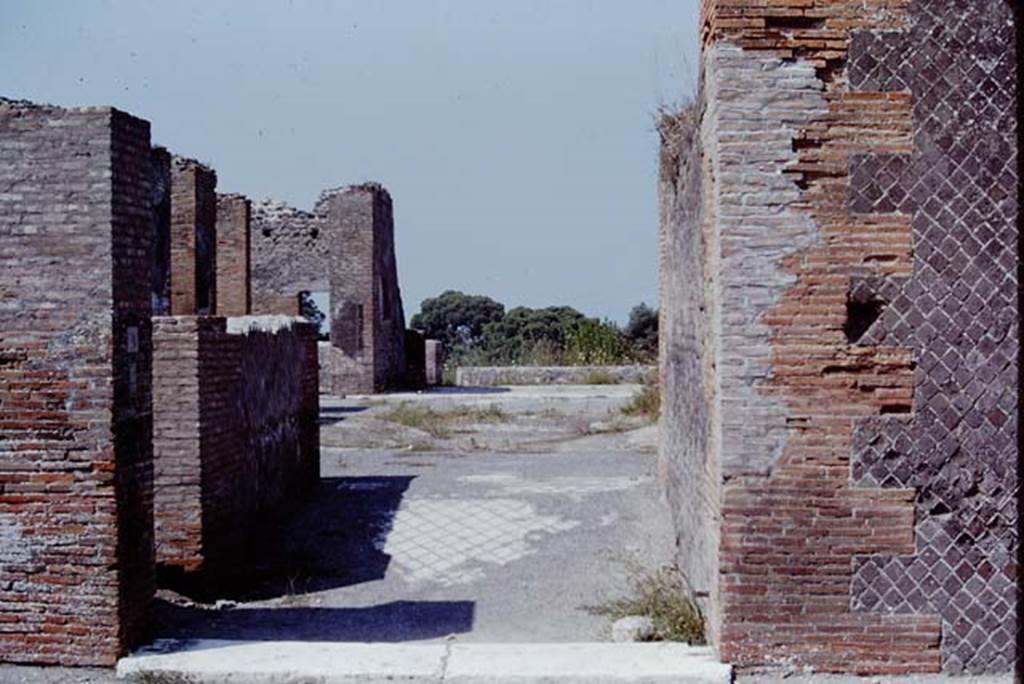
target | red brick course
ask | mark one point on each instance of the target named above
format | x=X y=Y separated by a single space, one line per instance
x=233 y=285
x=235 y=433
x=76 y=543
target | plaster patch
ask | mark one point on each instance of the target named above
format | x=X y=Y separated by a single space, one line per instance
x=573 y=487
x=451 y=541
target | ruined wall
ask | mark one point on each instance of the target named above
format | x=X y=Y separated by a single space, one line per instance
x=687 y=469
x=861 y=232
x=289 y=255
x=250 y=385
x=491 y=376
x=233 y=281
x=193 y=238
x=367 y=320
x=344 y=246
x=75 y=405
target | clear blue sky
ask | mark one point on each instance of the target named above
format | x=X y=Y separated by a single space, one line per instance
x=516 y=137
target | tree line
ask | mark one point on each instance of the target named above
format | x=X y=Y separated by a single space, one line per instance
x=477 y=330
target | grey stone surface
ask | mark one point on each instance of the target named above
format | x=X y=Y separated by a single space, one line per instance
x=492 y=376
x=633 y=628
x=959 y=313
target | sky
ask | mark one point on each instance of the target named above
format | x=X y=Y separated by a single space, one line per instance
x=516 y=138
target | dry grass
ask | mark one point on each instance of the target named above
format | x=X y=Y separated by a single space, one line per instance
x=646 y=402
x=661 y=596
x=439 y=424
x=598 y=377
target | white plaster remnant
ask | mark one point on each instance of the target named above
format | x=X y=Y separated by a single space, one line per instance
x=14 y=548
x=243 y=325
x=447 y=541
x=573 y=487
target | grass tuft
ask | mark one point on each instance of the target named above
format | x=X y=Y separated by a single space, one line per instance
x=439 y=423
x=646 y=402
x=661 y=596
x=599 y=377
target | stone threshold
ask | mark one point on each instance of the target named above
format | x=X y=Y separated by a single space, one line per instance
x=294 y=662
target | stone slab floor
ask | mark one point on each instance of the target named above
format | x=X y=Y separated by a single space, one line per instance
x=490 y=515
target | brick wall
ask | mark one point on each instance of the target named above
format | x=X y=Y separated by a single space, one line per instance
x=233 y=288
x=76 y=545
x=344 y=246
x=367 y=319
x=860 y=240
x=687 y=468
x=193 y=238
x=250 y=385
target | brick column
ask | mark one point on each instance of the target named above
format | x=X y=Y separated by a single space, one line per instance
x=76 y=527
x=233 y=290
x=193 y=238
x=367 y=320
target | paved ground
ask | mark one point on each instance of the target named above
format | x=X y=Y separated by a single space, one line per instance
x=502 y=517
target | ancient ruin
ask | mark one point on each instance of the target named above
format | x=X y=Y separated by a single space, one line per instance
x=840 y=300
x=345 y=247
x=148 y=422
x=839 y=367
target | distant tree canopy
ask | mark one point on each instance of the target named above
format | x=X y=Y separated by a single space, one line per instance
x=476 y=330
x=523 y=332
x=456 y=319
x=642 y=329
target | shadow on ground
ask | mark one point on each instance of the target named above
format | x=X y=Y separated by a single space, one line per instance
x=334 y=539
x=388 y=622
x=470 y=390
x=329 y=415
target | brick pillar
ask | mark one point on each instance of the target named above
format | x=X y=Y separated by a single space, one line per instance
x=76 y=527
x=367 y=320
x=233 y=290
x=193 y=238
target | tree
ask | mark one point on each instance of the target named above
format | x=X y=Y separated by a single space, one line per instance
x=642 y=329
x=456 y=319
x=530 y=336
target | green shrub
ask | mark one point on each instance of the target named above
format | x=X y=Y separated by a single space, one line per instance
x=596 y=343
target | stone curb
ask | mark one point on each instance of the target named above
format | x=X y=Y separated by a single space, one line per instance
x=290 y=662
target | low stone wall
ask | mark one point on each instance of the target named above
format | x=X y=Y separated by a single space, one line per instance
x=235 y=430
x=490 y=376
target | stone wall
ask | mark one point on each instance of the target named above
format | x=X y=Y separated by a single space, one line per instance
x=859 y=174
x=433 y=371
x=289 y=255
x=345 y=246
x=492 y=376
x=193 y=238
x=250 y=386
x=233 y=282
x=76 y=542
